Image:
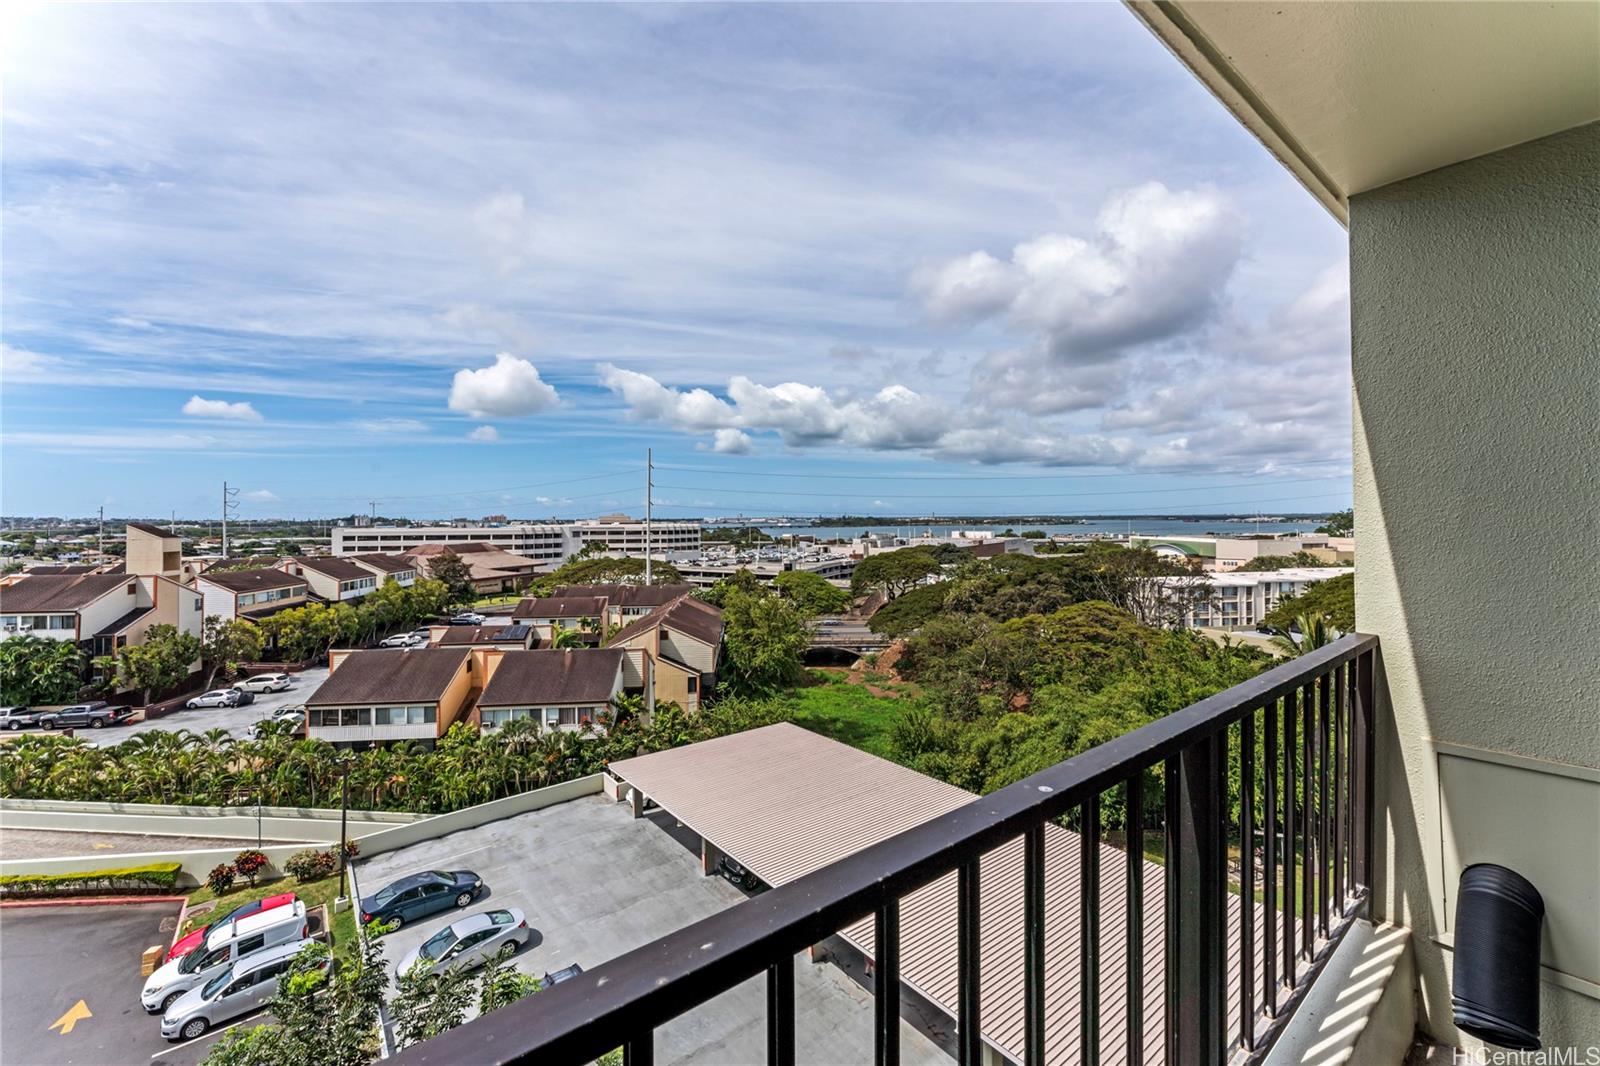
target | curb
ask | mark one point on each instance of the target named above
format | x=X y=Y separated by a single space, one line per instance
x=91 y=901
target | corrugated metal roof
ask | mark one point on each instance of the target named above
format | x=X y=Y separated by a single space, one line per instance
x=783 y=802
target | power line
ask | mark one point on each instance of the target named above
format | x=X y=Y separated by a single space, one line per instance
x=1227 y=505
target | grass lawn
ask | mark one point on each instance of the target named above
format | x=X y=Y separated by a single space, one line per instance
x=847 y=712
x=314 y=893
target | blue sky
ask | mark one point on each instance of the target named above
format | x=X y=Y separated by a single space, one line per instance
x=472 y=259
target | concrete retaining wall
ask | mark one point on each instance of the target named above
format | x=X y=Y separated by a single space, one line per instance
x=377 y=833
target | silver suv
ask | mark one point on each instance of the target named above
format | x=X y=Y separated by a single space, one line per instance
x=245 y=986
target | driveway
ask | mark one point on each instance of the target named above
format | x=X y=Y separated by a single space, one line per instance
x=236 y=720
x=595 y=883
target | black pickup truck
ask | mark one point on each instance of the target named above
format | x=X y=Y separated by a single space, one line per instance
x=96 y=715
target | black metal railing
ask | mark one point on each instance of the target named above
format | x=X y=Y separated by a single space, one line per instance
x=1277 y=770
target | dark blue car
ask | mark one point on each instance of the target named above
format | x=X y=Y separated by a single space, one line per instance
x=419 y=895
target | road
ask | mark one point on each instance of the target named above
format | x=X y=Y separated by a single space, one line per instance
x=53 y=843
x=236 y=720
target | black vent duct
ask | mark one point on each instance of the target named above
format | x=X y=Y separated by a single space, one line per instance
x=1496 y=986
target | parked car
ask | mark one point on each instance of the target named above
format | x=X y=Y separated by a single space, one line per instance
x=264 y=683
x=419 y=895
x=831 y=622
x=292 y=717
x=226 y=945
x=245 y=986
x=18 y=717
x=198 y=936
x=402 y=640
x=218 y=697
x=96 y=714
x=469 y=618
x=469 y=942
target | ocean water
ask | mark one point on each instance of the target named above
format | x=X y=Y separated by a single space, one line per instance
x=1161 y=527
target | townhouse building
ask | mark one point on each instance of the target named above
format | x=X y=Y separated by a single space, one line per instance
x=682 y=642
x=396 y=568
x=331 y=579
x=382 y=697
x=559 y=690
x=251 y=593
x=98 y=612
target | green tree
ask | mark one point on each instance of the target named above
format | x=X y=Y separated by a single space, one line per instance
x=607 y=570
x=908 y=612
x=426 y=1004
x=1340 y=524
x=766 y=640
x=894 y=572
x=39 y=670
x=322 y=1016
x=1333 y=600
x=566 y=638
x=1281 y=562
x=741 y=580
x=456 y=574
x=811 y=593
x=502 y=983
x=225 y=644
x=162 y=662
x=1314 y=633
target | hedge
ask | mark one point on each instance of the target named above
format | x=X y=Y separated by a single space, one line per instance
x=154 y=877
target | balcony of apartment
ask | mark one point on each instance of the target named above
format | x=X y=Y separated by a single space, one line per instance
x=1282 y=880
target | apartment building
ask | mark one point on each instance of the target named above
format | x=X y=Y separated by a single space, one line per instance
x=552 y=543
x=251 y=593
x=153 y=550
x=396 y=568
x=547 y=614
x=334 y=580
x=1230 y=553
x=1242 y=600
x=99 y=612
x=620 y=604
x=492 y=570
x=560 y=690
x=683 y=640
x=380 y=697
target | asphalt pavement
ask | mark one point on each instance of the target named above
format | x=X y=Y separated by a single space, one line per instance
x=236 y=720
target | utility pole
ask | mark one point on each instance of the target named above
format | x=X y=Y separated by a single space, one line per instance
x=374 y=505
x=101 y=547
x=228 y=506
x=649 y=491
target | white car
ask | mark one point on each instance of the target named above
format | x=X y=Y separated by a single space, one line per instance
x=217 y=697
x=402 y=640
x=468 y=618
x=471 y=941
x=292 y=717
x=264 y=683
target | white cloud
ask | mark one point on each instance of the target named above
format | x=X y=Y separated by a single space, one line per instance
x=261 y=496
x=200 y=407
x=485 y=435
x=390 y=426
x=732 y=442
x=510 y=388
x=19 y=364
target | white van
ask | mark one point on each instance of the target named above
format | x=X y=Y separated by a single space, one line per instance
x=225 y=946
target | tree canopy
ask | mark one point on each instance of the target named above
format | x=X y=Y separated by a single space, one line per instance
x=35 y=670
x=894 y=572
x=609 y=570
x=455 y=574
x=159 y=664
x=811 y=593
x=765 y=638
x=1333 y=600
x=1339 y=524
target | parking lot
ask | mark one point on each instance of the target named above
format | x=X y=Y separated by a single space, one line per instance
x=236 y=720
x=51 y=958
x=595 y=883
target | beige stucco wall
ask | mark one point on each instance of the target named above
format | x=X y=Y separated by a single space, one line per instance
x=1476 y=326
x=454 y=705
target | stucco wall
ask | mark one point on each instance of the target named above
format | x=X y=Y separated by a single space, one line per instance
x=1476 y=326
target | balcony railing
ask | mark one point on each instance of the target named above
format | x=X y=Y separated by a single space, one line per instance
x=1299 y=739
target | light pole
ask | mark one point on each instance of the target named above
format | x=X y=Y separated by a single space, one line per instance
x=344 y=763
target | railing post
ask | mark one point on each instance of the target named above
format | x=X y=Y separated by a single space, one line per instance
x=886 y=984
x=780 y=1012
x=1362 y=744
x=640 y=1050
x=1201 y=932
x=969 y=966
x=1033 y=960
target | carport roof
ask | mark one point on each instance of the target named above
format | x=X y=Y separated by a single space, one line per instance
x=784 y=802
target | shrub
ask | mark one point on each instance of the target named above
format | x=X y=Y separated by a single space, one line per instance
x=220 y=879
x=351 y=849
x=309 y=865
x=151 y=878
x=248 y=863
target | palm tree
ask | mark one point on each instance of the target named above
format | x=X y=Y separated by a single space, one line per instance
x=1314 y=633
x=565 y=638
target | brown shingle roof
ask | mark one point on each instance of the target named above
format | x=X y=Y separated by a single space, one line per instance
x=57 y=592
x=496 y=634
x=338 y=569
x=561 y=607
x=251 y=580
x=542 y=678
x=685 y=614
x=71 y=569
x=369 y=678
x=389 y=564
x=628 y=595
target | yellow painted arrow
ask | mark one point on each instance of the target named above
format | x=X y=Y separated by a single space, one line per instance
x=77 y=1013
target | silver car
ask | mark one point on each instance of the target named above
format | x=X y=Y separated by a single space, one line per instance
x=217 y=697
x=471 y=941
x=264 y=683
x=245 y=986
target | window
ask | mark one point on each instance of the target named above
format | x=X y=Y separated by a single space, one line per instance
x=254 y=943
x=694 y=685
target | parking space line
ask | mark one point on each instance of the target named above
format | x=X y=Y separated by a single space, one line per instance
x=190 y=1044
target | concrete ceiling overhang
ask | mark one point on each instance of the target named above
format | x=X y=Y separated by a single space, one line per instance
x=1354 y=94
